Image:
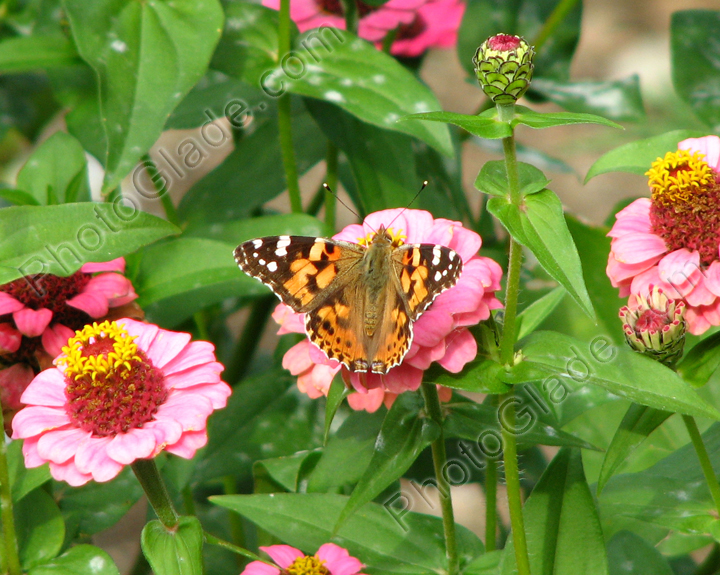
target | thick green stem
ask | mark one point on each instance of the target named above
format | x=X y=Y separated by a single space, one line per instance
x=152 y=483
x=352 y=16
x=432 y=405
x=707 y=468
x=331 y=179
x=512 y=482
x=10 y=548
x=249 y=340
x=158 y=183
x=285 y=116
x=512 y=290
x=389 y=40
x=491 y=505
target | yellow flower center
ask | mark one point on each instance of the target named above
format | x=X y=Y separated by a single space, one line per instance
x=678 y=177
x=397 y=238
x=307 y=566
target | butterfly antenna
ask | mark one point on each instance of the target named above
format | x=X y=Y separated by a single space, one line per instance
x=424 y=185
x=329 y=189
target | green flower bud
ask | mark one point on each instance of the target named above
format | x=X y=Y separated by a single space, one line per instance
x=654 y=325
x=504 y=67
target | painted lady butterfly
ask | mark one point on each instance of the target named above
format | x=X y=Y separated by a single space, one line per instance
x=360 y=301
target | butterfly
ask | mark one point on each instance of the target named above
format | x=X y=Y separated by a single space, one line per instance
x=360 y=300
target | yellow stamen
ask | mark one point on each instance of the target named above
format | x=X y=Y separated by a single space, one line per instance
x=678 y=176
x=79 y=366
x=307 y=566
x=398 y=238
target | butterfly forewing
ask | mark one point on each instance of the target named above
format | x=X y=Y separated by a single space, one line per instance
x=298 y=268
x=425 y=271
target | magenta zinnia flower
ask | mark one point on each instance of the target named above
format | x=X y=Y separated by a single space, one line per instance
x=440 y=334
x=53 y=307
x=435 y=25
x=672 y=240
x=121 y=391
x=330 y=559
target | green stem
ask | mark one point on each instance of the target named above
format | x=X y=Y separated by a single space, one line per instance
x=237 y=532
x=491 y=505
x=152 y=483
x=212 y=540
x=512 y=290
x=562 y=9
x=11 y=556
x=352 y=17
x=331 y=179
x=200 y=319
x=389 y=39
x=708 y=471
x=249 y=339
x=158 y=183
x=285 y=115
x=439 y=455
x=188 y=500
x=512 y=482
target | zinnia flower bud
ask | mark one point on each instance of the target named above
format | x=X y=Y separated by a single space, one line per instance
x=654 y=325
x=504 y=67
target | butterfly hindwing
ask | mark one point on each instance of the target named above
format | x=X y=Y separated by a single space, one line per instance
x=297 y=268
x=425 y=271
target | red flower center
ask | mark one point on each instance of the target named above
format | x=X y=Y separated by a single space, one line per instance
x=685 y=209
x=111 y=385
x=335 y=7
x=651 y=320
x=412 y=30
x=504 y=42
x=51 y=292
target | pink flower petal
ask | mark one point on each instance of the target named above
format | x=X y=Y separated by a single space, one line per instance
x=370 y=401
x=712 y=278
x=29 y=449
x=194 y=353
x=69 y=473
x=189 y=443
x=681 y=269
x=55 y=337
x=116 y=265
x=260 y=568
x=32 y=323
x=709 y=146
x=94 y=304
x=47 y=389
x=461 y=348
x=10 y=338
x=60 y=445
x=92 y=458
x=283 y=555
x=145 y=332
x=297 y=359
x=204 y=373
x=34 y=420
x=190 y=410
x=635 y=248
x=9 y=304
x=634 y=218
x=135 y=444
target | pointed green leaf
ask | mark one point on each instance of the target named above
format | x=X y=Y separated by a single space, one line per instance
x=562 y=525
x=534 y=314
x=337 y=394
x=40 y=528
x=636 y=157
x=60 y=239
x=630 y=554
x=639 y=422
x=174 y=552
x=30 y=53
x=479 y=375
x=403 y=436
x=528 y=117
x=492 y=179
x=389 y=538
x=57 y=164
x=22 y=479
x=336 y=66
x=78 y=560
x=561 y=360
x=18 y=197
x=485 y=125
x=698 y=365
x=147 y=56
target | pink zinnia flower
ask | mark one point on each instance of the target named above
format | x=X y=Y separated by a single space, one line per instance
x=330 y=559
x=672 y=240
x=13 y=382
x=440 y=334
x=121 y=391
x=53 y=307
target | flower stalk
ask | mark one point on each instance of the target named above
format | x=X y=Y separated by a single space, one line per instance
x=11 y=558
x=432 y=404
x=152 y=483
x=702 y=453
x=331 y=179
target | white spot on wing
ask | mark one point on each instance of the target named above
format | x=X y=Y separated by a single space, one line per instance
x=261 y=262
x=281 y=252
x=257 y=243
x=437 y=253
x=438 y=276
x=272 y=266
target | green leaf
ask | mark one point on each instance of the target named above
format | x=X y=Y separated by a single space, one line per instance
x=593 y=247
x=639 y=422
x=620 y=100
x=636 y=157
x=540 y=226
x=40 y=528
x=479 y=375
x=249 y=45
x=60 y=239
x=698 y=365
x=528 y=117
x=562 y=525
x=492 y=179
x=147 y=56
x=630 y=554
x=347 y=454
x=387 y=537
x=486 y=564
x=382 y=161
x=336 y=395
x=237 y=231
x=485 y=125
x=30 y=53
x=188 y=266
x=403 y=436
x=249 y=176
x=560 y=360
x=174 y=552
x=58 y=168
x=696 y=61
x=534 y=314
x=473 y=421
x=282 y=473
x=265 y=417
x=335 y=66
x=78 y=560
x=18 y=197
x=23 y=480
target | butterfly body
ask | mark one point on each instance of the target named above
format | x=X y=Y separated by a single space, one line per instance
x=359 y=301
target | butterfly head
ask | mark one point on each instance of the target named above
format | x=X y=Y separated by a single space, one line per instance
x=385 y=236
